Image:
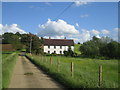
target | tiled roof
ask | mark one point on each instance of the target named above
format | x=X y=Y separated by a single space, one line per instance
x=58 y=42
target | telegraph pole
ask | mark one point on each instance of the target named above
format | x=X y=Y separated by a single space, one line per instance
x=30 y=43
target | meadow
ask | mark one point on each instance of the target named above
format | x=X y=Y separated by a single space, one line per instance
x=86 y=71
x=77 y=49
x=8 y=62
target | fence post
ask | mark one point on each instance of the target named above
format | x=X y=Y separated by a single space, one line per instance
x=100 y=75
x=50 y=61
x=58 y=65
x=72 y=68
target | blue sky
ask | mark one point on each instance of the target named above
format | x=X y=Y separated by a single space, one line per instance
x=94 y=17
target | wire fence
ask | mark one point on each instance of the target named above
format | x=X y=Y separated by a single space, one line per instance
x=90 y=74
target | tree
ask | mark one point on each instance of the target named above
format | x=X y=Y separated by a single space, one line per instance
x=101 y=47
x=69 y=52
x=78 y=42
x=14 y=39
x=34 y=40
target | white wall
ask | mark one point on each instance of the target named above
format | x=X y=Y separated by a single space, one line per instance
x=58 y=49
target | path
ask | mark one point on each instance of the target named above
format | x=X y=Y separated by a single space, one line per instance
x=27 y=75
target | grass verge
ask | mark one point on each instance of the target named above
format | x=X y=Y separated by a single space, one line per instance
x=85 y=71
x=8 y=63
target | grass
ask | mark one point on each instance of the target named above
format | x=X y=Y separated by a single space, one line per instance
x=76 y=49
x=8 y=62
x=0 y=70
x=85 y=71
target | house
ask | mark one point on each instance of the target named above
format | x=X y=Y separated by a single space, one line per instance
x=57 y=46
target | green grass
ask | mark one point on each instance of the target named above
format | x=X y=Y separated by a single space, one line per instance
x=76 y=49
x=8 y=62
x=85 y=71
x=0 y=70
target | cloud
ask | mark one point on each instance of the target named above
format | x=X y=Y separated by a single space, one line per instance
x=104 y=31
x=60 y=29
x=116 y=29
x=80 y=3
x=84 y=16
x=115 y=34
x=47 y=3
x=10 y=28
x=77 y=24
x=95 y=32
x=57 y=28
x=85 y=35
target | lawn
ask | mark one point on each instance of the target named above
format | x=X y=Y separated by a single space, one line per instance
x=8 y=62
x=85 y=71
x=76 y=49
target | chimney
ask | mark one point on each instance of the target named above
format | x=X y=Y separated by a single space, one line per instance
x=49 y=38
x=64 y=37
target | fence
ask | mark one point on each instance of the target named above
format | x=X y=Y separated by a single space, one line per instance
x=74 y=70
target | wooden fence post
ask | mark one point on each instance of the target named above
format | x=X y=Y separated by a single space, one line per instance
x=100 y=75
x=72 y=68
x=50 y=61
x=58 y=66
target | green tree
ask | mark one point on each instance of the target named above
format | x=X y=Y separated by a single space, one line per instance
x=35 y=43
x=69 y=52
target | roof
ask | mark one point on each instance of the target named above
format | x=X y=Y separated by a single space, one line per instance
x=58 y=42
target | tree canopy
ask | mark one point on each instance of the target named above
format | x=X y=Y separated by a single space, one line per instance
x=23 y=41
x=101 y=47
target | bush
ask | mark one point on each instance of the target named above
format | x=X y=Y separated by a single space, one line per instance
x=69 y=52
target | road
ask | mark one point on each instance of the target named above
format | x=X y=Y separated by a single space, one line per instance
x=27 y=75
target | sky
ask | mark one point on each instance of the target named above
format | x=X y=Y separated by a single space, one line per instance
x=74 y=20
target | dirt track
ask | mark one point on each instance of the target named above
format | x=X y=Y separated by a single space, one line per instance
x=27 y=75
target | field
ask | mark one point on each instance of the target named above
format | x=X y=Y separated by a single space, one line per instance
x=0 y=70
x=76 y=49
x=86 y=71
x=7 y=47
x=8 y=62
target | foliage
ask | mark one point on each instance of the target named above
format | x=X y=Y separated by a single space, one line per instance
x=35 y=42
x=22 y=41
x=76 y=49
x=69 y=52
x=101 y=47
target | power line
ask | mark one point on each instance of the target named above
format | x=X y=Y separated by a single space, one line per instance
x=64 y=10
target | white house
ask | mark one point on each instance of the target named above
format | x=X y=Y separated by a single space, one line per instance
x=57 y=46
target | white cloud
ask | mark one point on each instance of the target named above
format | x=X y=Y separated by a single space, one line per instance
x=77 y=24
x=84 y=16
x=47 y=3
x=95 y=32
x=79 y=3
x=60 y=29
x=104 y=31
x=10 y=28
x=85 y=35
x=57 y=28
x=116 y=29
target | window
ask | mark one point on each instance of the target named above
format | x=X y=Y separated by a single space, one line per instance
x=60 y=52
x=60 y=47
x=54 y=47
x=54 y=51
x=48 y=51
x=48 y=46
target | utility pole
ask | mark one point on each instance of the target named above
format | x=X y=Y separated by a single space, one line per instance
x=30 y=43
